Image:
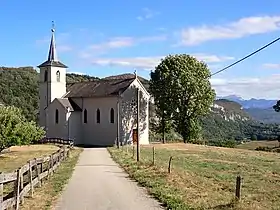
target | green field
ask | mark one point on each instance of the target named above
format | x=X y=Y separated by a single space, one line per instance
x=203 y=177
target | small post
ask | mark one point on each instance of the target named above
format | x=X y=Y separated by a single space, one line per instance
x=138 y=125
x=50 y=166
x=238 y=188
x=21 y=182
x=38 y=172
x=21 y=186
x=153 y=155
x=126 y=148
x=30 y=179
x=1 y=190
x=169 y=165
x=17 y=190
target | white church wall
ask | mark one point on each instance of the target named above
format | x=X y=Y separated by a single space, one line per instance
x=105 y=132
x=59 y=129
x=128 y=114
x=74 y=120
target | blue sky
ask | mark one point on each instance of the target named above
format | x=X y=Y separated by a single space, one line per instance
x=103 y=38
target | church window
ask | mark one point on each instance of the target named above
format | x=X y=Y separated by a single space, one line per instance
x=97 y=116
x=56 y=116
x=58 y=76
x=46 y=76
x=85 y=116
x=112 y=115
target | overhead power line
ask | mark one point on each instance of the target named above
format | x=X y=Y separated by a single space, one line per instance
x=242 y=59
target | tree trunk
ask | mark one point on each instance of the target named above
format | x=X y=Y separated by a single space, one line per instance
x=163 y=129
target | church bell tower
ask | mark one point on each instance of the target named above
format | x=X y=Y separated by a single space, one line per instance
x=52 y=80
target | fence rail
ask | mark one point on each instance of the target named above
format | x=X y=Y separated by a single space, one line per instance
x=69 y=142
x=24 y=179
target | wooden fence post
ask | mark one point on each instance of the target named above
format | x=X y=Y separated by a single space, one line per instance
x=238 y=188
x=1 y=190
x=16 y=189
x=153 y=155
x=30 y=178
x=21 y=186
x=50 y=164
x=169 y=165
x=38 y=172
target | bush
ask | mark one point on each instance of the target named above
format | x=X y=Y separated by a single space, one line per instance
x=254 y=137
x=198 y=141
x=15 y=129
x=223 y=143
x=266 y=149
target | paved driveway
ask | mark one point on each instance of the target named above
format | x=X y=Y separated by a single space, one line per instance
x=98 y=183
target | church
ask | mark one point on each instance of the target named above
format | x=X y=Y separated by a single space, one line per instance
x=94 y=113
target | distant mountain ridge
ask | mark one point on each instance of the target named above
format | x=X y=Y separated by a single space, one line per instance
x=251 y=103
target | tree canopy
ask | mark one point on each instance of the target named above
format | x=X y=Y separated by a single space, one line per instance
x=182 y=91
x=15 y=129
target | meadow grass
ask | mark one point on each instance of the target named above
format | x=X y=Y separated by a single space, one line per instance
x=203 y=177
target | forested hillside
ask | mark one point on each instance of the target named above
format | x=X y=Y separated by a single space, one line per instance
x=19 y=87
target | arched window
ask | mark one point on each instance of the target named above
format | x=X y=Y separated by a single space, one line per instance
x=56 y=116
x=85 y=116
x=97 y=116
x=58 y=76
x=46 y=76
x=112 y=115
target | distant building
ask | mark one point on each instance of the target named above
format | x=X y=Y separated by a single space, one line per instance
x=91 y=113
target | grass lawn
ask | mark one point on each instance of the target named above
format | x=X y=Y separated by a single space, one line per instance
x=45 y=197
x=252 y=145
x=19 y=155
x=203 y=177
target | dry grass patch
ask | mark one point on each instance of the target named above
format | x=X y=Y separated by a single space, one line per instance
x=203 y=177
x=252 y=145
x=19 y=155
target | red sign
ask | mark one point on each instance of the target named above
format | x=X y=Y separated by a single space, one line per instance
x=135 y=136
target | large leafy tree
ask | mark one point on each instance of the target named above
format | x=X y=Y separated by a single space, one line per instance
x=15 y=129
x=182 y=92
x=161 y=96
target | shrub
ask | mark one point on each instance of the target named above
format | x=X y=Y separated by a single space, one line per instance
x=15 y=129
x=261 y=148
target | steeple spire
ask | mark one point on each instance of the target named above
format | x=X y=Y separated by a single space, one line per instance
x=52 y=55
x=52 y=51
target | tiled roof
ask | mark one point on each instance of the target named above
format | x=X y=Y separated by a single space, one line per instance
x=99 y=88
x=53 y=63
x=69 y=103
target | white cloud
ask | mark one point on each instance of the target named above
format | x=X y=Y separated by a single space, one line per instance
x=240 y=28
x=258 y=87
x=121 y=42
x=117 y=42
x=271 y=66
x=148 y=63
x=147 y=14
